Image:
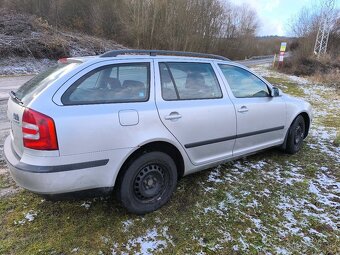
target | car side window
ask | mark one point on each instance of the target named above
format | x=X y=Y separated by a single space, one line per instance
x=186 y=81
x=243 y=83
x=111 y=84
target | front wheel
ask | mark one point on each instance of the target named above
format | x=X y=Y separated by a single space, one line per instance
x=296 y=135
x=148 y=182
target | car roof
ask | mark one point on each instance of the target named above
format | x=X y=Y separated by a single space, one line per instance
x=151 y=54
x=130 y=57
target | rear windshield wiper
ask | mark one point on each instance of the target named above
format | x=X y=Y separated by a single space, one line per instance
x=14 y=96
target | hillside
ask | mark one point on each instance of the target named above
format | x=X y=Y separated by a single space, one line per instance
x=28 y=43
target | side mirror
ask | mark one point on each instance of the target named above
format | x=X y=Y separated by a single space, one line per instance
x=275 y=92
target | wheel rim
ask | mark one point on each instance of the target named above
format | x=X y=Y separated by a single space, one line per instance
x=150 y=182
x=298 y=134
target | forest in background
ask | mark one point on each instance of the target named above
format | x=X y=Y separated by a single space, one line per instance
x=193 y=25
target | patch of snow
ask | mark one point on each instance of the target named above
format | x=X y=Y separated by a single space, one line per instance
x=28 y=217
x=282 y=251
x=105 y=239
x=313 y=189
x=307 y=240
x=86 y=205
x=226 y=237
x=253 y=204
x=208 y=189
x=235 y=247
x=232 y=200
x=313 y=231
x=257 y=223
x=126 y=225
x=264 y=70
x=325 y=137
x=75 y=250
x=114 y=248
x=291 y=223
x=258 y=165
x=219 y=210
x=150 y=242
x=200 y=253
x=215 y=176
x=323 y=168
x=20 y=66
x=245 y=246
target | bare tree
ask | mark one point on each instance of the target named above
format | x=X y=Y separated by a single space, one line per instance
x=192 y=25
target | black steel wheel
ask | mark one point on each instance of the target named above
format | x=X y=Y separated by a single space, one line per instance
x=296 y=134
x=148 y=182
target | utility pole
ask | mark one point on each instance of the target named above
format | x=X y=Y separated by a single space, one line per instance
x=325 y=25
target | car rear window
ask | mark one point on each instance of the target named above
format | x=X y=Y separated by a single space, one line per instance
x=32 y=87
x=118 y=83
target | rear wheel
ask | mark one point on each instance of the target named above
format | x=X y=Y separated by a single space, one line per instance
x=296 y=135
x=148 y=182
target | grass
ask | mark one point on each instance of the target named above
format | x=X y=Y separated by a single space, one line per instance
x=5 y=181
x=337 y=140
x=267 y=203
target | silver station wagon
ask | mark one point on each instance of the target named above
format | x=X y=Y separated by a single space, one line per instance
x=134 y=121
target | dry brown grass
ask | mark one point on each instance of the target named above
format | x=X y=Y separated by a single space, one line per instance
x=325 y=70
x=332 y=78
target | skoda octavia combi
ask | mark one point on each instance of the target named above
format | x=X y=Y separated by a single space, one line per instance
x=135 y=121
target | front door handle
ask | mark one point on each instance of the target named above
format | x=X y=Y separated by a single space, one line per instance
x=173 y=116
x=243 y=109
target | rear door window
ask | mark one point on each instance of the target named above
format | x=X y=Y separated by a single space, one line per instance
x=187 y=81
x=35 y=85
x=111 y=84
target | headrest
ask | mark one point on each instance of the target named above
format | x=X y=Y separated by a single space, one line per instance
x=114 y=83
x=133 y=84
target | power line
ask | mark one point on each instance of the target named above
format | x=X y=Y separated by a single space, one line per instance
x=325 y=25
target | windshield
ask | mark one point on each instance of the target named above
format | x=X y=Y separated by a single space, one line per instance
x=32 y=87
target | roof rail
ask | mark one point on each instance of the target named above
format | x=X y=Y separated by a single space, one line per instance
x=115 y=53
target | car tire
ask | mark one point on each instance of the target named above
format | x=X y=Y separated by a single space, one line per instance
x=148 y=182
x=296 y=134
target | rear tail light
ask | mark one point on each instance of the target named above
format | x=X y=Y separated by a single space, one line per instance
x=38 y=131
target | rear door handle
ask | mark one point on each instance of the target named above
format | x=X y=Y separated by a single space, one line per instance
x=243 y=109
x=173 y=116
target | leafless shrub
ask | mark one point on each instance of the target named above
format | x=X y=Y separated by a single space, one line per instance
x=302 y=61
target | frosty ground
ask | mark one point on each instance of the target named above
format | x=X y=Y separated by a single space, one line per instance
x=270 y=203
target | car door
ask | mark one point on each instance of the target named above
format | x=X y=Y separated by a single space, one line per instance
x=260 y=116
x=196 y=109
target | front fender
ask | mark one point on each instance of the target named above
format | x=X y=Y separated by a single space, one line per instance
x=294 y=108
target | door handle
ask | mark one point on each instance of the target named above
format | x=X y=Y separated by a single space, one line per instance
x=173 y=116
x=243 y=109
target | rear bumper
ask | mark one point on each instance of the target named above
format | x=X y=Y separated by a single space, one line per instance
x=56 y=179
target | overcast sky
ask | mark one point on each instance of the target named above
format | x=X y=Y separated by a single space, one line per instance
x=274 y=15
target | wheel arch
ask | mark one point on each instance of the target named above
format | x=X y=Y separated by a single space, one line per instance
x=307 y=120
x=161 y=146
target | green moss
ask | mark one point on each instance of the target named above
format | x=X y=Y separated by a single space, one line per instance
x=4 y=182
